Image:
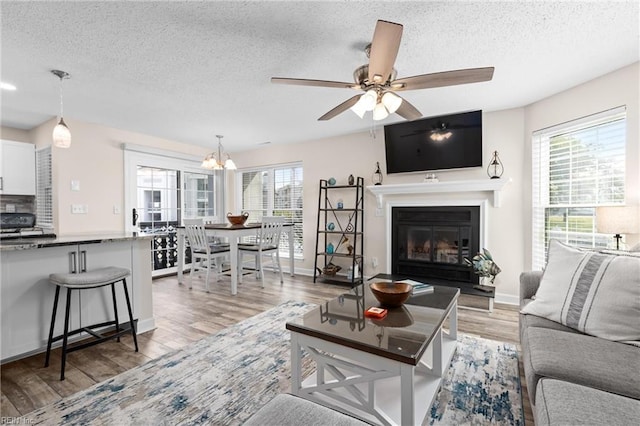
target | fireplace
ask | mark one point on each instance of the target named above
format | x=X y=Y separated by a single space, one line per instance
x=430 y=243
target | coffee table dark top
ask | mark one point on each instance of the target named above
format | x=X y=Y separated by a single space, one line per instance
x=403 y=335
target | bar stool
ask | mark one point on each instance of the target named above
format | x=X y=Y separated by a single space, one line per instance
x=82 y=281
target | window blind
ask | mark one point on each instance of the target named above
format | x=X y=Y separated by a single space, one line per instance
x=44 y=189
x=577 y=166
x=275 y=191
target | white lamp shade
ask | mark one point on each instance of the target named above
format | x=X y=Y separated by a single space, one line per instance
x=359 y=107
x=618 y=220
x=229 y=164
x=61 y=135
x=391 y=101
x=369 y=100
x=380 y=112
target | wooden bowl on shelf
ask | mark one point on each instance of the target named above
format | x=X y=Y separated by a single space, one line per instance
x=391 y=295
x=237 y=220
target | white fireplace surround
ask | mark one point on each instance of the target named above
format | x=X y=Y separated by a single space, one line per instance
x=488 y=190
x=492 y=187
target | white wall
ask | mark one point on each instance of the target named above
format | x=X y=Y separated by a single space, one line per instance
x=95 y=159
x=357 y=154
x=18 y=135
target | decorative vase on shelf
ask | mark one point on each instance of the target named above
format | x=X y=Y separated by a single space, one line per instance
x=330 y=248
x=351 y=180
x=331 y=181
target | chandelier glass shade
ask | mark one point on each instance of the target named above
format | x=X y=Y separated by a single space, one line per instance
x=214 y=161
x=61 y=134
x=382 y=104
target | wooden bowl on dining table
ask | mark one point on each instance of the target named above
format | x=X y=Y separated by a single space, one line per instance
x=237 y=220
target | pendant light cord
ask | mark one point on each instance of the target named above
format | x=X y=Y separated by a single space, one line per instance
x=61 y=103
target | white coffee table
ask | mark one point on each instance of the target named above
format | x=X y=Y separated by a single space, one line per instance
x=382 y=371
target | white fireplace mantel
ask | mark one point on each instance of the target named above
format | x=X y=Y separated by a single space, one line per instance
x=494 y=186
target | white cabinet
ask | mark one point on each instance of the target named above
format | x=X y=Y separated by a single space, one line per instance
x=27 y=296
x=97 y=303
x=17 y=168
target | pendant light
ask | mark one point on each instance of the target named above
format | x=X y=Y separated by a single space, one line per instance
x=214 y=160
x=61 y=134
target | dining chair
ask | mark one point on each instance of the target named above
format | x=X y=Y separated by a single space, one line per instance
x=205 y=255
x=267 y=244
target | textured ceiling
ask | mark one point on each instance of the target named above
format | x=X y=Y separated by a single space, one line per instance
x=187 y=70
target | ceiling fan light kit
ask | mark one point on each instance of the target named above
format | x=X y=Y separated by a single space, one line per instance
x=378 y=79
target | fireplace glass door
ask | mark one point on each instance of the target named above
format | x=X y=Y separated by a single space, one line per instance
x=440 y=244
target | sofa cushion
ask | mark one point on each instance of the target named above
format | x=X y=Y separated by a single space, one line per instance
x=593 y=292
x=286 y=409
x=581 y=359
x=563 y=403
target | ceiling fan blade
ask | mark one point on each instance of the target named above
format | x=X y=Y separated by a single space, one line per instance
x=408 y=111
x=340 y=108
x=384 y=50
x=441 y=79
x=316 y=83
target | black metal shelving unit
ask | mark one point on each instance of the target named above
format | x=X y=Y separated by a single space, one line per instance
x=348 y=230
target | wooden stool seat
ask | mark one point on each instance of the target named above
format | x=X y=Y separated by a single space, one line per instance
x=82 y=281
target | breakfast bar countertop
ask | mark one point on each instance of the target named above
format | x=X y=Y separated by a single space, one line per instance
x=65 y=240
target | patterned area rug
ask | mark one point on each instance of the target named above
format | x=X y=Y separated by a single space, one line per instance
x=223 y=379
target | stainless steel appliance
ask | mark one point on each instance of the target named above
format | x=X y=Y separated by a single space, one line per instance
x=21 y=225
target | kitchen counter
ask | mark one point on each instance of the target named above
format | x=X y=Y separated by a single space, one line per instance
x=67 y=240
x=26 y=295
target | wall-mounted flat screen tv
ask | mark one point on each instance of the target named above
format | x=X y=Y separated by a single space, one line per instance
x=435 y=143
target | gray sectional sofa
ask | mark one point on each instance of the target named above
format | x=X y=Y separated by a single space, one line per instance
x=574 y=378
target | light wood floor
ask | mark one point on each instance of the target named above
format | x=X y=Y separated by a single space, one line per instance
x=184 y=316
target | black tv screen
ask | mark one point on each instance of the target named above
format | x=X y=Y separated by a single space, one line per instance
x=435 y=143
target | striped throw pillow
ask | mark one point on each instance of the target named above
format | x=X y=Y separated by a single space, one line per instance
x=594 y=292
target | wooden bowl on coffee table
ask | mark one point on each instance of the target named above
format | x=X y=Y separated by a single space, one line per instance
x=391 y=294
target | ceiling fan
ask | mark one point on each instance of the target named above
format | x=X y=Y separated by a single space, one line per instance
x=378 y=79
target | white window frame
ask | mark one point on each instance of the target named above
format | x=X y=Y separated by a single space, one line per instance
x=270 y=207
x=540 y=178
x=135 y=156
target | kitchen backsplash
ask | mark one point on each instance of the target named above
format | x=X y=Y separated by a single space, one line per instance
x=17 y=203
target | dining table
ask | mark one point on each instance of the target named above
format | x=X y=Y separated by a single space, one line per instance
x=233 y=233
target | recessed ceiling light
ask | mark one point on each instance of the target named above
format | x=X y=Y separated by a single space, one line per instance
x=7 y=86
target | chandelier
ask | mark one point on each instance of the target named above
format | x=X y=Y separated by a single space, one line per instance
x=61 y=134
x=214 y=160
x=381 y=103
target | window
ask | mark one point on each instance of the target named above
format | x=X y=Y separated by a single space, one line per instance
x=577 y=166
x=275 y=191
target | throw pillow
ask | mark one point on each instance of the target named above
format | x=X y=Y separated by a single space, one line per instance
x=593 y=292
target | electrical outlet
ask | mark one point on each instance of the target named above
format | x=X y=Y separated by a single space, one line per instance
x=374 y=262
x=79 y=209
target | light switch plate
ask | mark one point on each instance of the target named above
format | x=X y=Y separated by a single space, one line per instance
x=75 y=185
x=79 y=209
